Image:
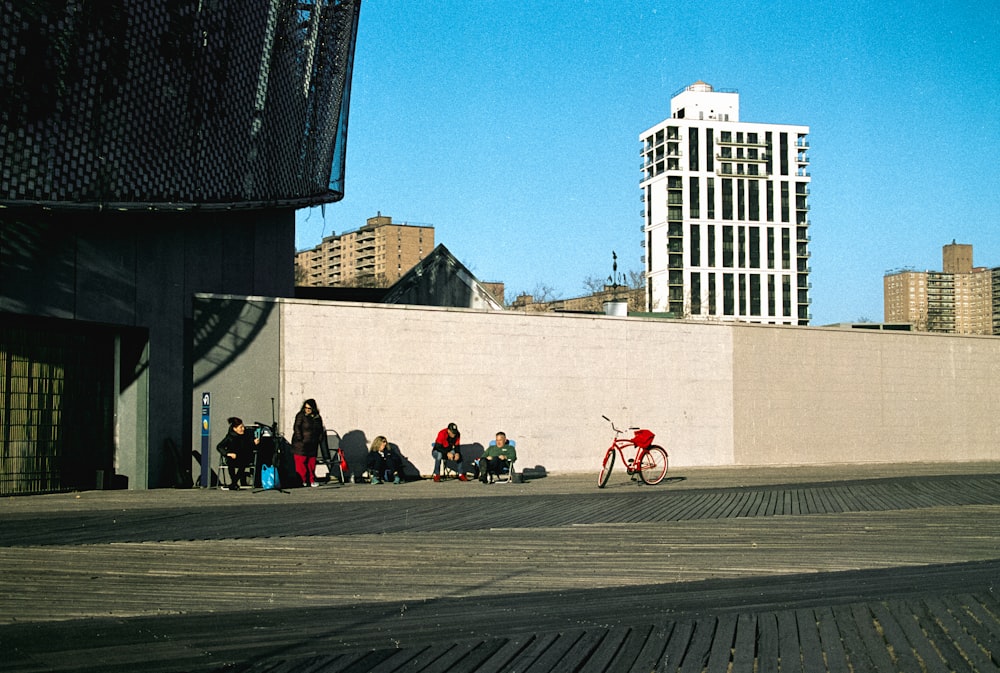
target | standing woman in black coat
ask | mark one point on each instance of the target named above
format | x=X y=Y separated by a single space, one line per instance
x=306 y=435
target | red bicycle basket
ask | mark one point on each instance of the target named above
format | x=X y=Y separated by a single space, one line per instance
x=643 y=438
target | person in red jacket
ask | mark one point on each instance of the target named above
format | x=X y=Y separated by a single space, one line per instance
x=306 y=435
x=447 y=447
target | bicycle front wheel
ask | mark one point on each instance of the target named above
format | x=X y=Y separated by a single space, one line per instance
x=653 y=466
x=609 y=462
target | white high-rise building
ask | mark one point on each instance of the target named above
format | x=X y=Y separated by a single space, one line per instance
x=726 y=213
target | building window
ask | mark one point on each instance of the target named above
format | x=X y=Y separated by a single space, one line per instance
x=754 y=247
x=770 y=295
x=711 y=245
x=786 y=295
x=783 y=159
x=784 y=201
x=709 y=150
x=727 y=246
x=694 y=198
x=770 y=200
x=695 y=243
x=711 y=294
x=755 y=294
x=710 y=198
x=753 y=201
x=727 y=198
x=743 y=293
x=786 y=249
x=741 y=255
x=728 y=298
x=696 y=293
x=693 y=149
x=770 y=248
x=741 y=199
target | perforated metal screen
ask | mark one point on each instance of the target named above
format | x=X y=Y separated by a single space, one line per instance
x=174 y=103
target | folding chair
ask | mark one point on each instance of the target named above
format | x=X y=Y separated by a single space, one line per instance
x=507 y=467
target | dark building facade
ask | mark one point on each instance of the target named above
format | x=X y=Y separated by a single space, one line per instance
x=149 y=151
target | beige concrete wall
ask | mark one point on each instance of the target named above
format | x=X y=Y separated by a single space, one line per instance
x=715 y=394
x=545 y=379
x=829 y=395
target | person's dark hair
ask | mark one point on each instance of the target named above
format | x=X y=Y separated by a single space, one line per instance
x=234 y=421
x=312 y=404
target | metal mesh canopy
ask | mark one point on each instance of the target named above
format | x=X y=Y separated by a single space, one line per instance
x=174 y=103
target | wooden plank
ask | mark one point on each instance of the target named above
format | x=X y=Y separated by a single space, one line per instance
x=745 y=646
x=898 y=643
x=606 y=651
x=789 y=651
x=721 y=654
x=673 y=655
x=767 y=642
x=809 y=642
x=871 y=637
x=958 y=638
x=830 y=641
x=696 y=655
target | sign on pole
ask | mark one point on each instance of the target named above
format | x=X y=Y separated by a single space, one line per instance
x=206 y=463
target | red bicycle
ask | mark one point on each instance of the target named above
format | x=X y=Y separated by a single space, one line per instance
x=650 y=461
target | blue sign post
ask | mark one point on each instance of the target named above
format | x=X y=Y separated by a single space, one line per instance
x=206 y=463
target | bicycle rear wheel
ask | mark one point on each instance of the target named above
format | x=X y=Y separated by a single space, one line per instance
x=609 y=462
x=653 y=467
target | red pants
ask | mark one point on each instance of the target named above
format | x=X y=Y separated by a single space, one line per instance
x=305 y=466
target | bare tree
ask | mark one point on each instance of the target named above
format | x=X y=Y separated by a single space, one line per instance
x=594 y=284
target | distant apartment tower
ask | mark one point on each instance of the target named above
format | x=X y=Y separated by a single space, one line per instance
x=959 y=299
x=725 y=213
x=376 y=255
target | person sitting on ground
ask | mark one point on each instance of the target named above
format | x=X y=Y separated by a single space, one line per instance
x=393 y=464
x=375 y=460
x=237 y=449
x=497 y=456
x=447 y=448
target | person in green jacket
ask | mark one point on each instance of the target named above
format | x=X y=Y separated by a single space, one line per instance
x=496 y=458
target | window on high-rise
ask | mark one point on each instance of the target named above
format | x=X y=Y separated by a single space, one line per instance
x=770 y=248
x=727 y=198
x=770 y=295
x=786 y=295
x=770 y=201
x=741 y=199
x=693 y=149
x=695 y=243
x=711 y=245
x=784 y=201
x=783 y=158
x=727 y=246
x=755 y=294
x=696 y=293
x=754 y=247
x=710 y=198
x=726 y=137
x=728 y=294
x=741 y=241
x=786 y=249
x=694 y=198
x=753 y=201
x=711 y=294
x=742 y=280
x=709 y=150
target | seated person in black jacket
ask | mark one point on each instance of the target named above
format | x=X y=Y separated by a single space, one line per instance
x=237 y=449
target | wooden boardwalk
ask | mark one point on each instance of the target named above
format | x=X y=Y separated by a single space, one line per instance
x=896 y=573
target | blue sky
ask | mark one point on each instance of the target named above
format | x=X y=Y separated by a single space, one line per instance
x=513 y=128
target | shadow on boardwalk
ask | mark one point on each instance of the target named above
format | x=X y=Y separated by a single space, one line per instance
x=779 y=570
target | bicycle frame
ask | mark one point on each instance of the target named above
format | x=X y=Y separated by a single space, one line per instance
x=650 y=462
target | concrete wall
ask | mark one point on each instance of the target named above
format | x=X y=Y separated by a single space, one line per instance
x=715 y=394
